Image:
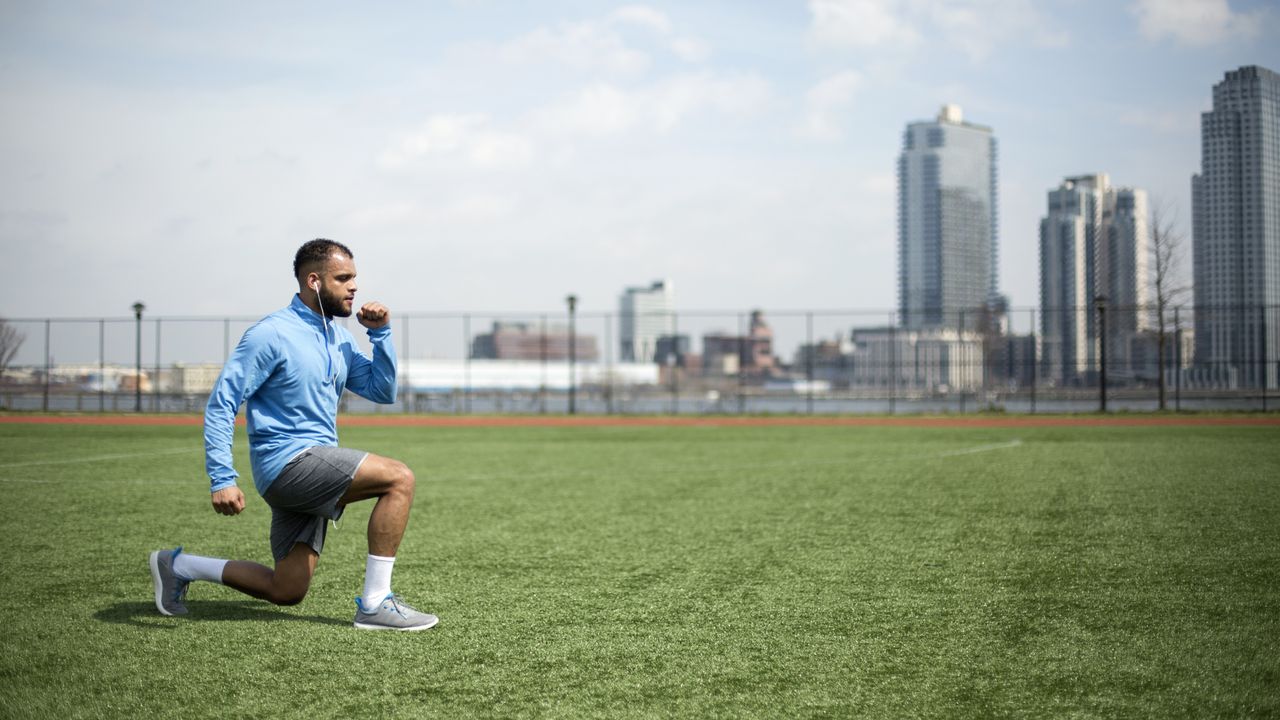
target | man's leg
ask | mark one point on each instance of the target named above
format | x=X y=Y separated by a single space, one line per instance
x=287 y=584
x=173 y=570
x=392 y=483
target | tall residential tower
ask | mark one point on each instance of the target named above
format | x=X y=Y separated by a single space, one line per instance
x=1235 y=204
x=947 y=260
x=645 y=314
x=1094 y=242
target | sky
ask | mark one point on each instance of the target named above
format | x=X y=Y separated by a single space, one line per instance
x=496 y=156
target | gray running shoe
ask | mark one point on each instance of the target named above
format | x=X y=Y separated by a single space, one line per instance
x=171 y=590
x=393 y=614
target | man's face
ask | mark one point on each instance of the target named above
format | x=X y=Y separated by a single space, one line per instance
x=338 y=286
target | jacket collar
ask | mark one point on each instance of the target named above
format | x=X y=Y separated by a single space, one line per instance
x=309 y=316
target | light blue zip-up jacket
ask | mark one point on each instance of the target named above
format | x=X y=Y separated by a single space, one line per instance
x=290 y=373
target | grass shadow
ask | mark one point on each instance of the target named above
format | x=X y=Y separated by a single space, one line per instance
x=144 y=614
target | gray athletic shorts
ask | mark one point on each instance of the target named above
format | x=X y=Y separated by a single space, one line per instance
x=305 y=495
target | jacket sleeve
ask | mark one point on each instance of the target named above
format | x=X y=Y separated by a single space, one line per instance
x=374 y=379
x=250 y=364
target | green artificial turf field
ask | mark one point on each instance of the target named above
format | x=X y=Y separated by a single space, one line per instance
x=695 y=572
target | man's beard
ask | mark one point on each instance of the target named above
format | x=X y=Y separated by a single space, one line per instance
x=332 y=304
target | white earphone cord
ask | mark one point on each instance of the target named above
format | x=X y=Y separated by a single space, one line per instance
x=333 y=377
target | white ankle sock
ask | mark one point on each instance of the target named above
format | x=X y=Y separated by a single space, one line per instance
x=194 y=567
x=377 y=580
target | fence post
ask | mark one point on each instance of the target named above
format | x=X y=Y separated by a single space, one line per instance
x=808 y=370
x=742 y=389
x=608 y=363
x=963 y=379
x=893 y=363
x=102 y=365
x=542 y=358
x=1177 y=364
x=674 y=354
x=155 y=387
x=572 y=301
x=1101 y=303
x=1035 y=360
x=408 y=402
x=1262 y=360
x=466 y=363
x=48 y=364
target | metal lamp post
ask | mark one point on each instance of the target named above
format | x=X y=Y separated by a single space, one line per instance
x=138 y=307
x=572 y=300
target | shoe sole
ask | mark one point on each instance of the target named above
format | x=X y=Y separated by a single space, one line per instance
x=415 y=628
x=155 y=580
x=159 y=585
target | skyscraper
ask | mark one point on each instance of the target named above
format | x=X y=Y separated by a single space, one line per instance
x=946 y=221
x=1094 y=242
x=1235 y=204
x=644 y=315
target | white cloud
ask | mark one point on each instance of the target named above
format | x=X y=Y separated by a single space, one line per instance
x=685 y=47
x=860 y=23
x=598 y=110
x=464 y=136
x=826 y=102
x=690 y=49
x=978 y=27
x=670 y=102
x=582 y=45
x=599 y=44
x=645 y=16
x=974 y=27
x=1192 y=22
x=604 y=109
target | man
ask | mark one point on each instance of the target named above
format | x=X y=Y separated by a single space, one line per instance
x=289 y=370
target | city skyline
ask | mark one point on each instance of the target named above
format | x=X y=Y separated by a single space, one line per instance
x=478 y=161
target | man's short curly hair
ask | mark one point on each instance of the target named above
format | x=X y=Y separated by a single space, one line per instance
x=317 y=252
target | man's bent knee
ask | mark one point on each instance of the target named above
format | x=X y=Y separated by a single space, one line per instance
x=287 y=597
x=380 y=476
x=288 y=593
x=404 y=478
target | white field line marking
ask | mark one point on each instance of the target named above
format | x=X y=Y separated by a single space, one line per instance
x=98 y=458
x=982 y=448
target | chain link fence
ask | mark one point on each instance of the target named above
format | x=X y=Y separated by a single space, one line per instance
x=1032 y=360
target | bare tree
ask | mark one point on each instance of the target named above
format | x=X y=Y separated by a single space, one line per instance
x=10 y=341
x=1167 y=281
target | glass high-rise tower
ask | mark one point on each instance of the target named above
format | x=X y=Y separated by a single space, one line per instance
x=947 y=264
x=1236 y=232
